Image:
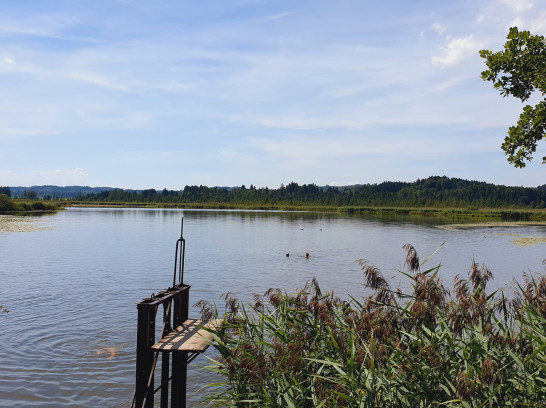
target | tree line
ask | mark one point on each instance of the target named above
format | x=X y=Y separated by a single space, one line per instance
x=430 y=192
x=49 y=192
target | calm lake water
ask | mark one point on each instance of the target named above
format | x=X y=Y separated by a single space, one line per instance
x=72 y=284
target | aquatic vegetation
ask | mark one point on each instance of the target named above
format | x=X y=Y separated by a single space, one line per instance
x=13 y=223
x=426 y=348
x=528 y=241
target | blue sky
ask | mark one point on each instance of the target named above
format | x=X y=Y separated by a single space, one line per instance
x=140 y=94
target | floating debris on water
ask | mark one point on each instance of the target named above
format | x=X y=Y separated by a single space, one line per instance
x=14 y=223
x=491 y=224
x=111 y=352
x=528 y=241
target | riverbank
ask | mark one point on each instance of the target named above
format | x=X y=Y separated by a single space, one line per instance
x=480 y=216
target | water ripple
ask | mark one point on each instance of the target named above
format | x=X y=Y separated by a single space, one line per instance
x=69 y=339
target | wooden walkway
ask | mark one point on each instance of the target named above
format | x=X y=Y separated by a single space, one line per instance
x=190 y=336
x=176 y=348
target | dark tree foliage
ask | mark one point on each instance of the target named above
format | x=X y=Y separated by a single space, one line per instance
x=429 y=192
x=30 y=194
x=5 y=190
x=520 y=71
x=6 y=204
x=57 y=192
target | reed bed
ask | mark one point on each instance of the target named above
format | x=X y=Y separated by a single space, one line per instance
x=427 y=348
x=9 y=205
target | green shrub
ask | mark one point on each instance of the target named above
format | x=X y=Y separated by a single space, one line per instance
x=23 y=205
x=38 y=206
x=6 y=203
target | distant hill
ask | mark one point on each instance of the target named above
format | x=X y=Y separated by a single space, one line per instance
x=57 y=191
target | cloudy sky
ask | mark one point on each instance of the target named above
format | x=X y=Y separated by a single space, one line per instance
x=141 y=94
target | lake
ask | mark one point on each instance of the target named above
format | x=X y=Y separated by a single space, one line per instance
x=72 y=280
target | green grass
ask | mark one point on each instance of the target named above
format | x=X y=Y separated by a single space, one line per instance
x=393 y=349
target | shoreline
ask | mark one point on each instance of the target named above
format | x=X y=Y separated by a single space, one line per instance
x=503 y=215
x=449 y=218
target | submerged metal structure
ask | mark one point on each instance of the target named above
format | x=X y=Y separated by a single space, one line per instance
x=181 y=340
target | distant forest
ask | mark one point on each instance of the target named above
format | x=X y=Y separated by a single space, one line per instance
x=435 y=192
x=51 y=192
x=429 y=192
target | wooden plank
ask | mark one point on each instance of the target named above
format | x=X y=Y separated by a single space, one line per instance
x=188 y=337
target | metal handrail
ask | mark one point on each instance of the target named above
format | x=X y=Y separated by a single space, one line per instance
x=182 y=252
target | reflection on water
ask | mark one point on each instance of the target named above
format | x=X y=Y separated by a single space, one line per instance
x=69 y=339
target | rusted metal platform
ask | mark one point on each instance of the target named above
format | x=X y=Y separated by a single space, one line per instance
x=177 y=347
x=191 y=336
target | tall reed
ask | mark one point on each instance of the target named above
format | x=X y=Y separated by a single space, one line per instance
x=426 y=348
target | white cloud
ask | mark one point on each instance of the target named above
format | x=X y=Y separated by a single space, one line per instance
x=348 y=183
x=38 y=177
x=439 y=28
x=417 y=104
x=314 y=149
x=95 y=80
x=519 y=6
x=272 y=73
x=538 y=25
x=517 y=22
x=62 y=177
x=6 y=177
x=40 y=25
x=280 y=15
x=457 y=50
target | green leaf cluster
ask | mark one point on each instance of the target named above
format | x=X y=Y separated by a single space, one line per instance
x=520 y=71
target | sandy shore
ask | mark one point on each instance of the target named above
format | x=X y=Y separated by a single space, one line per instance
x=14 y=223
